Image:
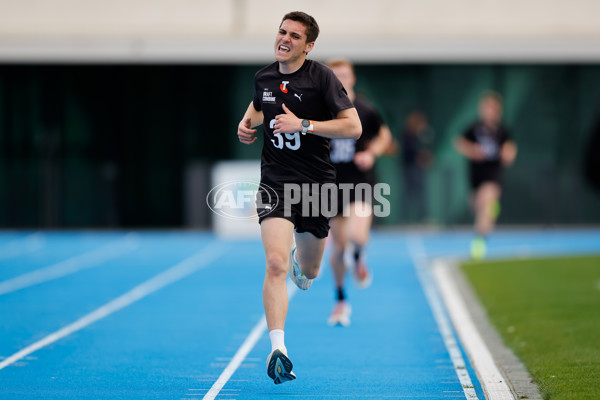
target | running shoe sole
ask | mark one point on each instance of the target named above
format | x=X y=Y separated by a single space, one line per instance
x=279 y=367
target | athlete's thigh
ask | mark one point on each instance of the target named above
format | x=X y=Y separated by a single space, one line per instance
x=488 y=191
x=309 y=248
x=359 y=218
x=277 y=236
x=338 y=232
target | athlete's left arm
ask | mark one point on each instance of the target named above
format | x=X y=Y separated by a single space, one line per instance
x=379 y=145
x=508 y=153
x=364 y=160
x=345 y=125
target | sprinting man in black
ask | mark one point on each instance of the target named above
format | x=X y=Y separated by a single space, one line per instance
x=354 y=161
x=489 y=148
x=301 y=104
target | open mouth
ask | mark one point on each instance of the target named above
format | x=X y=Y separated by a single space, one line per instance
x=283 y=48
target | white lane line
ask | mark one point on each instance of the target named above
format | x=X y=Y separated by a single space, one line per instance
x=179 y=271
x=245 y=348
x=27 y=244
x=418 y=255
x=494 y=384
x=74 y=264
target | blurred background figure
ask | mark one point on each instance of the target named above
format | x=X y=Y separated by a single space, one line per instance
x=354 y=161
x=416 y=159
x=489 y=148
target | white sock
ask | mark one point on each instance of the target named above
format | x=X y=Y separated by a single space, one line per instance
x=277 y=341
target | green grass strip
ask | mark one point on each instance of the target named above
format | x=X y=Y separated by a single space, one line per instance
x=548 y=312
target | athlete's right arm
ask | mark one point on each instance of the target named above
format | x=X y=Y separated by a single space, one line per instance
x=508 y=153
x=251 y=118
x=469 y=149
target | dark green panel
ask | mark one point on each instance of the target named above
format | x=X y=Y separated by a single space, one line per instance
x=242 y=83
x=455 y=91
x=395 y=91
x=109 y=143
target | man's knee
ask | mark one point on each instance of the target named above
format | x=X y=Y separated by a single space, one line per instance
x=311 y=271
x=277 y=265
x=360 y=236
x=337 y=254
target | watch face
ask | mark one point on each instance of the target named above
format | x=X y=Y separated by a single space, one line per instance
x=305 y=123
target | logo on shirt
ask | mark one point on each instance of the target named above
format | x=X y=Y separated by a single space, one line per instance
x=299 y=96
x=268 y=97
x=283 y=86
x=489 y=142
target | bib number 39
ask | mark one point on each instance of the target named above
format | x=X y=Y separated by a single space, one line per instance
x=291 y=141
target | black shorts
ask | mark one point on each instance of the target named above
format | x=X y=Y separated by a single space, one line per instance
x=267 y=206
x=350 y=174
x=481 y=174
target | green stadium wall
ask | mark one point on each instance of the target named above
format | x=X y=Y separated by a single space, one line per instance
x=108 y=145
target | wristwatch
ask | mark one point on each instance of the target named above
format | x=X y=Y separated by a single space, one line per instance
x=307 y=126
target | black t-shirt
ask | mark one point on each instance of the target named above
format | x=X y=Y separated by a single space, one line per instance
x=343 y=150
x=490 y=140
x=313 y=92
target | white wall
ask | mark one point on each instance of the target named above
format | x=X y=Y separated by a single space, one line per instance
x=115 y=18
x=243 y=30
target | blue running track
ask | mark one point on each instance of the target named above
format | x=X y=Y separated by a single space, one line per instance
x=71 y=327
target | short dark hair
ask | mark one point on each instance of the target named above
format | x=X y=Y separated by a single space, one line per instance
x=312 y=29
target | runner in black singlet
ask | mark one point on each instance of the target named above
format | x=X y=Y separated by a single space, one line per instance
x=301 y=105
x=354 y=161
x=489 y=148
